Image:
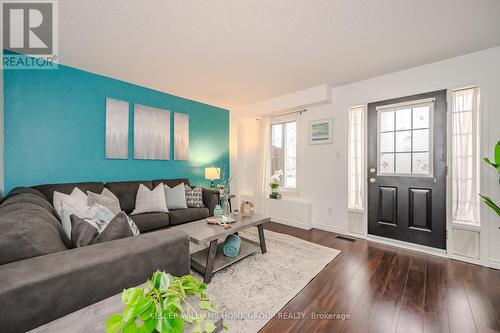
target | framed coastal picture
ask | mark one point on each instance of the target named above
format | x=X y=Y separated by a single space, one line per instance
x=321 y=131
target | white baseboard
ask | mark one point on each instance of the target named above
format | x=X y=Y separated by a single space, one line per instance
x=494 y=264
x=336 y=230
x=408 y=246
x=466 y=259
x=291 y=223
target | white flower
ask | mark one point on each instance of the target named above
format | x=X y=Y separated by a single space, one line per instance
x=277 y=176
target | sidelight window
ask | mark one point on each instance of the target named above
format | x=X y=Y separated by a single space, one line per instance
x=464 y=155
x=405 y=138
x=356 y=158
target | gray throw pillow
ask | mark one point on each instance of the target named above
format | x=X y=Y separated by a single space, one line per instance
x=106 y=199
x=176 y=197
x=194 y=196
x=86 y=232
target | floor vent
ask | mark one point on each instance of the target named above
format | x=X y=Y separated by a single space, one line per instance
x=346 y=238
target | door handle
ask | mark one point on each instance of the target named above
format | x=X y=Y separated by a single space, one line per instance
x=373 y=180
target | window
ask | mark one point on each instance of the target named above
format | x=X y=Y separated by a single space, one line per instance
x=284 y=150
x=464 y=159
x=356 y=158
x=405 y=139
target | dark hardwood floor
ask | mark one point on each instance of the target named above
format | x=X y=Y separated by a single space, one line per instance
x=386 y=289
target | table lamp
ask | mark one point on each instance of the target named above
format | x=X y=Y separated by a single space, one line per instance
x=212 y=174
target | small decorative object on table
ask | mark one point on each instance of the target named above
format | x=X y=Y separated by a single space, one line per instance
x=276 y=196
x=275 y=182
x=162 y=305
x=247 y=209
x=218 y=212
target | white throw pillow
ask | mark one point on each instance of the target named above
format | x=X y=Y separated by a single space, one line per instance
x=148 y=201
x=77 y=199
x=107 y=199
x=176 y=197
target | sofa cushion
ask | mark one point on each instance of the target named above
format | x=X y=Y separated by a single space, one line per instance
x=28 y=197
x=180 y=216
x=28 y=230
x=48 y=189
x=126 y=192
x=171 y=182
x=151 y=221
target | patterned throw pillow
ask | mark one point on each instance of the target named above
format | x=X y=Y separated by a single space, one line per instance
x=106 y=199
x=194 y=196
x=150 y=201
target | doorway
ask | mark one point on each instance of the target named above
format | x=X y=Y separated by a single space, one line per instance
x=407 y=169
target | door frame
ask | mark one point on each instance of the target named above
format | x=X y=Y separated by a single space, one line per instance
x=483 y=186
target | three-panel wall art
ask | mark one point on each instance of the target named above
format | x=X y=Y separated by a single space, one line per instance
x=151 y=132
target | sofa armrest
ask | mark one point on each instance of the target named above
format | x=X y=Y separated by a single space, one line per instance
x=38 y=290
x=211 y=198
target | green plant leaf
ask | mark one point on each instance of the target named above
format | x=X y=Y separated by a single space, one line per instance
x=164 y=282
x=149 y=312
x=497 y=153
x=132 y=295
x=114 y=323
x=127 y=312
x=207 y=305
x=142 y=306
x=150 y=325
x=130 y=327
x=491 y=204
x=197 y=328
x=210 y=327
x=225 y=327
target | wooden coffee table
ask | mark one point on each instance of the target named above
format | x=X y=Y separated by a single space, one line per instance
x=211 y=259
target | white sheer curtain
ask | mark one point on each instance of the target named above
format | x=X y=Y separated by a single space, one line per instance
x=355 y=160
x=464 y=155
x=262 y=181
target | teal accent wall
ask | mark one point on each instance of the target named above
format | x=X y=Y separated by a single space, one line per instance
x=54 y=130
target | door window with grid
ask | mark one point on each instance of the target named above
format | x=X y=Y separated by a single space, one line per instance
x=405 y=139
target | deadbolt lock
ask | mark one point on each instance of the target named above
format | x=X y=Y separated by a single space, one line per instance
x=372 y=170
x=372 y=180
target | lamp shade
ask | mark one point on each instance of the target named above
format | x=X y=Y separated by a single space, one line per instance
x=212 y=173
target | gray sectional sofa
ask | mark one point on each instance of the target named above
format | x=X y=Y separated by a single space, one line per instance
x=43 y=278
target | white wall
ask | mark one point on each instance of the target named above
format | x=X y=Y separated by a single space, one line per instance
x=324 y=167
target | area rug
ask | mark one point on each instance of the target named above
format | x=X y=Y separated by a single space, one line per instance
x=251 y=291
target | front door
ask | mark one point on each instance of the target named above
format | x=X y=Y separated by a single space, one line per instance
x=407 y=169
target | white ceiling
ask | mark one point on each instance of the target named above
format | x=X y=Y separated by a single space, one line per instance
x=232 y=53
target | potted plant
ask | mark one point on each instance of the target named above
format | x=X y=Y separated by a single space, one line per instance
x=487 y=200
x=162 y=306
x=275 y=181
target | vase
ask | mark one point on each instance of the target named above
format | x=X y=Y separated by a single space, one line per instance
x=218 y=212
x=226 y=209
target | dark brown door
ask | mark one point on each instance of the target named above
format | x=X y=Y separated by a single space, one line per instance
x=407 y=169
